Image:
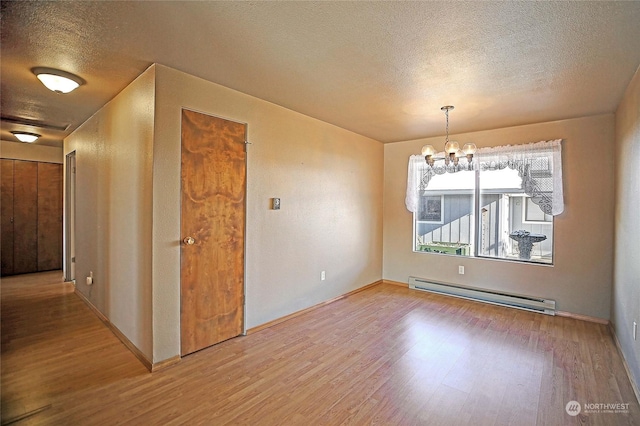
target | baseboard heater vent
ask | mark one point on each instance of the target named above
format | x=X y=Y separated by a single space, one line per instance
x=534 y=304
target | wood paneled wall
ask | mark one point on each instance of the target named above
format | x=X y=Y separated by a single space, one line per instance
x=31 y=216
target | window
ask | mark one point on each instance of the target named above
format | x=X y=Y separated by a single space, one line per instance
x=502 y=209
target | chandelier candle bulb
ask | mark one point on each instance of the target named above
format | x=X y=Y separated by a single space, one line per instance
x=428 y=150
x=469 y=148
x=451 y=147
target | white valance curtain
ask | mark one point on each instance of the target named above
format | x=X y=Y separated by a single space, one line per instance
x=539 y=165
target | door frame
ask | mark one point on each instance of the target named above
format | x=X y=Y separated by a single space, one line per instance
x=69 y=241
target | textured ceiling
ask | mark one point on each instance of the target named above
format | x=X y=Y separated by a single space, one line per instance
x=381 y=69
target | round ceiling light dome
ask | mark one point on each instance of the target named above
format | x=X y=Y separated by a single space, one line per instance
x=58 y=81
x=25 y=136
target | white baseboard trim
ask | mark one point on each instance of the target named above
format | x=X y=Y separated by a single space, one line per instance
x=149 y=365
x=309 y=309
x=582 y=317
x=634 y=385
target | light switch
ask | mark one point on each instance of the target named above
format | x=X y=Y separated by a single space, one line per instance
x=275 y=202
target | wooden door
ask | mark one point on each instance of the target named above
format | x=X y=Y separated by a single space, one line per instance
x=213 y=217
x=6 y=206
x=25 y=217
x=31 y=207
x=49 y=216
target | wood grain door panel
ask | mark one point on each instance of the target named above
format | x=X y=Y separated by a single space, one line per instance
x=25 y=217
x=49 y=216
x=213 y=214
x=6 y=207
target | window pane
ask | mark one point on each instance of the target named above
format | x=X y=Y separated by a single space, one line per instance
x=511 y=225
x=444 y=220
x=533 y=213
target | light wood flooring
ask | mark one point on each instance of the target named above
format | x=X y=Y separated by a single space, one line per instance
x=387 y=355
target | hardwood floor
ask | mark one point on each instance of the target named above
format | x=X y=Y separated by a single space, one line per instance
x=387 y=355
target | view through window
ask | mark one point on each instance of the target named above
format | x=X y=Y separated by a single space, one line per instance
x=508 y=220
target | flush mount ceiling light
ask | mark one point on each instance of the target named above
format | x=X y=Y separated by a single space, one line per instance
x=452 y=153
x=26 y=136
x=56 y=80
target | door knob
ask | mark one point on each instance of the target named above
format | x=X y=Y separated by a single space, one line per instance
x=189 y=241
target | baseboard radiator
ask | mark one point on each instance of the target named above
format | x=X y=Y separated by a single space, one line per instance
x=534 y=304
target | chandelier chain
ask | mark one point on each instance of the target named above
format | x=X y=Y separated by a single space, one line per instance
x=446 y=113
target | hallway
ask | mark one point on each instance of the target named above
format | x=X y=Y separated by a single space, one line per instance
x=53 y=347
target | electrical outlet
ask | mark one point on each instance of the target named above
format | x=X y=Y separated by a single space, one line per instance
x=461 y=270
x=323 y=276
x=90 y=278
x=635 y=330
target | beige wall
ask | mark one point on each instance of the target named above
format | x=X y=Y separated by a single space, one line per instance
x=113 y=210
x=30 y=152
x=580 y=280
x=330 y=183
x=128 y=173
x=626 y=284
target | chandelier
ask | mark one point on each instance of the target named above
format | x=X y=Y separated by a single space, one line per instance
x=452 y=153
